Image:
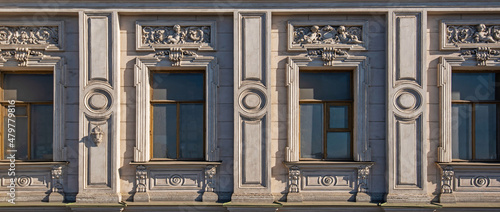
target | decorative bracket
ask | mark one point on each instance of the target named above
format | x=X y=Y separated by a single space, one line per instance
x=175 y=55
x=447 y=175
x=57 y=190
x=141 y=180
x=293 y=179
x=483 y=54
x=363 y=173
x=21 y=55
x=328 y=54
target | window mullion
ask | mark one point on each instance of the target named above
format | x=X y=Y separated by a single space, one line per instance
x=473 y=127
x=178 y=129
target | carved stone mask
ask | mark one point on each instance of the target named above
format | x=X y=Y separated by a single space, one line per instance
x=97 y=135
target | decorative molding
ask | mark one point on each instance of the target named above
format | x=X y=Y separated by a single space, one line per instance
x=482 y=54
x=303 y=36
x=143 y=116
x=175 y=55
x=200 y=35
x=49 y=36
x=328 y=54
x=460 y=34
x=176 y=180
x=359 y=65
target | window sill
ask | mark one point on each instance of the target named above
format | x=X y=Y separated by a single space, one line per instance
x=33 y=164
x=466 y=164
x=329 y=164
x=177 y=163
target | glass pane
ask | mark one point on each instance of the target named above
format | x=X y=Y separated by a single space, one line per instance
x=28 y=87
x=178 y=86
x=41 y=132
x=21 y=110
x=191 y=131
x=473 y=86
x=164 y=131
x=486 y=131
x=20 y=140
x=339 y=117
x=311 y=131
x=462 y=131
x=338 y=145
x=325 y=85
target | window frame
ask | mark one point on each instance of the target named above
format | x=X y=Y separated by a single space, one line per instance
x=143 y=67
x=164 y=102
x=447 y=66
x=326 y=117
x=473 y=119
x=359 y=67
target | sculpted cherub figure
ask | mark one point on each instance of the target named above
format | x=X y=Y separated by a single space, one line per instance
x=345 y=37
x=177 y=37
x=482 y=35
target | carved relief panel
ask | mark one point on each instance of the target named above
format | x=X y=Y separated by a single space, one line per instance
x=320 y=34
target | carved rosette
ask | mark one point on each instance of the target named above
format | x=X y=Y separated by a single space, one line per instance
x=24 y=181
x=481 y=181
x=57 y=179
x=293 y=179
x=447 y=175
x=363 y=173
x=210 y=183
x=141 y=176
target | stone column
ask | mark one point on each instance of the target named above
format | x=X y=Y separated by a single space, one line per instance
x=406 y=114
x=252 y=106
x=99 y=108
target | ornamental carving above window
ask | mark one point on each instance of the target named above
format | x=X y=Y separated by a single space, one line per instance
x=480 y=33
x=311 y=35
x=28 y=35
x=327 y=35
x=155 y=35
x=175 y=34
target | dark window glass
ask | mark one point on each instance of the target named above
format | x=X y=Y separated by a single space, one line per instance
x=325 y=113
x=475 y=101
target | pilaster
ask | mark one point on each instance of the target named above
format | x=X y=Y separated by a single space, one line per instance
x=99 y=135
x=406 y=103
x=252 y=92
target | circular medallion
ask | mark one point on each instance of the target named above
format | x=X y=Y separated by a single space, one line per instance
x=406 y=100
x=481 y=181
x=327 y=180
x=98 y=101
x=176 y=180
x=24 y=181
x=251 y=101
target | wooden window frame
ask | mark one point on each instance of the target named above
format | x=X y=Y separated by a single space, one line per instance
x=473 y=119
x=28 y=104
x=326 y=118
x=158 y=102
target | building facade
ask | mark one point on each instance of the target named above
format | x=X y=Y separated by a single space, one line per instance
x=250 y=105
